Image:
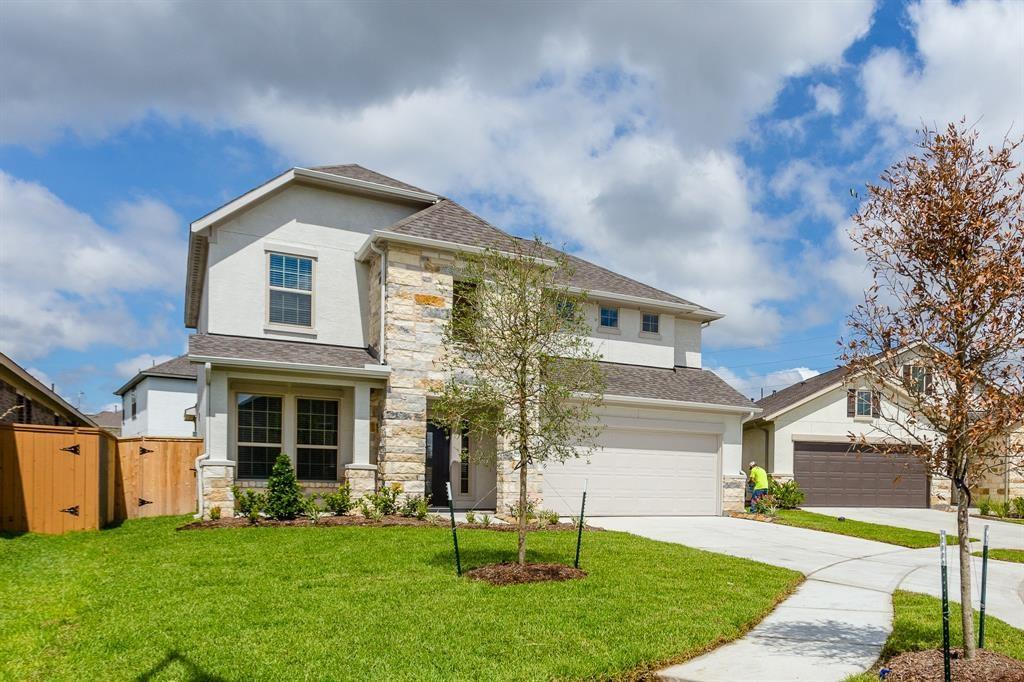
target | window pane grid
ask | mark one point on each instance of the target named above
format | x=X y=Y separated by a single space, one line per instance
x=291 y=272
x=317 y=464
x=288 y=307
x=650 y=323
x=259 y=422
x=317 y=426
x=609 y=317
x=864 y=403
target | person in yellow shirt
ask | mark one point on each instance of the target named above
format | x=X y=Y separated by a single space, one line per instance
x=759 y=479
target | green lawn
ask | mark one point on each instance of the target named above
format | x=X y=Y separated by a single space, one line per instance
x=917 y=625
x=144 y=601
x=1015 y=555
x=893 y=535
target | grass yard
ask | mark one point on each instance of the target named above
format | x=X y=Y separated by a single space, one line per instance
x=1015 y=555
x=894 y=535
x=143 y=601
x=917 y=625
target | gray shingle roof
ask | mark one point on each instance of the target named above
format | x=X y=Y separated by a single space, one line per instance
x=357 y=172
x=678 y=383
x=780 y=400
x=175 y=368
x=275 y=350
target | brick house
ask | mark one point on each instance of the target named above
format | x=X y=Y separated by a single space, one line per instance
x=26 y=400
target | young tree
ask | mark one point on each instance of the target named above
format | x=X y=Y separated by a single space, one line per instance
x=522 y=368
x=941 y=331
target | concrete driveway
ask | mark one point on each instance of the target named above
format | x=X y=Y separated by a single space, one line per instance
x=835 y=624
x=1001 y=534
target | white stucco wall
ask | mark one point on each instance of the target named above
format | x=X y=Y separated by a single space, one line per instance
x=306 y=221
x=677 y=342
x=160 y=408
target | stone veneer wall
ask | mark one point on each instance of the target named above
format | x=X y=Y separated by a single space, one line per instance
x=733 y=488
x=941 y=492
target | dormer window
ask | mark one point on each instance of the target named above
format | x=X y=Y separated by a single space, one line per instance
x=290 y=290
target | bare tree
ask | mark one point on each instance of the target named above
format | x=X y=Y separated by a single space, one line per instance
x=941 y=331
x=522 y=368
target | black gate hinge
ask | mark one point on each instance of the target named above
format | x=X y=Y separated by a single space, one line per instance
x=73 y=449
x=144 y=450
x=71 y=510
x=143 y=503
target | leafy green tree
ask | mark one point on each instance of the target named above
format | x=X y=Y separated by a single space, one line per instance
x=522 y=366
x=284 y=499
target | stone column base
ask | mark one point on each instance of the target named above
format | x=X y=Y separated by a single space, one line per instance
x=362 y=479
x=732 y=492
x=941 y=494
x=217 y=478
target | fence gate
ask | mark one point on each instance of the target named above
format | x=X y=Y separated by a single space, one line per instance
x=157 y=476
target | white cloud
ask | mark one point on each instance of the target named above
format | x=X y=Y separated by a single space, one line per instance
x=827 y=100
x=128 y=368
x=43 y=377
x=970 y=64
x=752 y=384
x=65 y=279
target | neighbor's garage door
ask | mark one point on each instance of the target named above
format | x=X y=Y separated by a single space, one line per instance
x=637 y=472
x=832 y=475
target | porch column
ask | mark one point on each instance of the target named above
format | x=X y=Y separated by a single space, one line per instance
x=217 y=470
x=361 y=475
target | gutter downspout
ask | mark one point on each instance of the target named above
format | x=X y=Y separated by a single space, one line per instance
x=383 y=297
x=207 y=367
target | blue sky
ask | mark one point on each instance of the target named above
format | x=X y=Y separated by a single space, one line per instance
x=706 y=148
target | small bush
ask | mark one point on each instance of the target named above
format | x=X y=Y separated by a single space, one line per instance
x=284 y=499
x=531 y=510
x=311 y=509
x=368 y=510
x=767 y=505
x=984 y=506
x=787 y=494
x=416 y=507
x=340 y=503
x=385 y=500
x=470 y=517
x=547 y=516
x=214 y=513
x=1001 y=509
x=485 y=520
x=249 y=503
x=1018 y=507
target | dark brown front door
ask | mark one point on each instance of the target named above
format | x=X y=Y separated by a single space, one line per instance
x=438 y=463
x=840 y=475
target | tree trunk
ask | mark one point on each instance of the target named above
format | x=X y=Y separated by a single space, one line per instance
x=963 y=531
x=522 y=511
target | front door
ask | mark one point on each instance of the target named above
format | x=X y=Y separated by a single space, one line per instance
x=439 y=444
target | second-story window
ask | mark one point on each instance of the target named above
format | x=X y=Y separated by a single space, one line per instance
x=291 y=290
x=609 y=317
x=650 y=323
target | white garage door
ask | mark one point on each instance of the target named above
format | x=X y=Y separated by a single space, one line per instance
x=639 y=473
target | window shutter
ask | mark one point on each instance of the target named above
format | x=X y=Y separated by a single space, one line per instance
x=876 y=404
x=928 y=388
x=851 y=402
x=908 y=376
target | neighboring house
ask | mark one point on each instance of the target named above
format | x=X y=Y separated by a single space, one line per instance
x=319 y=301
x=109 y=420
x=26 y=400
x=158 y=400
x=803 y=434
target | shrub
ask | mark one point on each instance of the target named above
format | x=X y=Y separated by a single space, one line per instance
x=214 y=513
x=249 y=503
x=470 y=517
x=767 y=505
x=368 y=510
x=340 y=503
x=547 y=516
x=284 y=499
x=1001 y=509
x=417 y=507
x=485 y=520
x=984 y=506
x=311 y=509
x=531 y=510
x=787 y=494
x=1018 y=507
x=385 y=500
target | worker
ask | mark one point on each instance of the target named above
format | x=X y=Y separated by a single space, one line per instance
x=759 y=478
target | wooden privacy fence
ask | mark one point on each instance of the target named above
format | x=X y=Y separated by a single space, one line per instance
x=55 y=479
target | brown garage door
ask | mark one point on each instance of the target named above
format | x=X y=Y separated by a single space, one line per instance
x=838 y=475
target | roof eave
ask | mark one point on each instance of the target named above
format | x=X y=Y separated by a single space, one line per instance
x=144 y=375
x=688 y=404
x=369 y=371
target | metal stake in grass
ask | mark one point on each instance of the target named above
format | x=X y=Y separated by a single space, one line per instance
x=579 y=531
x=945 y=609
x=984 y=583
x=455 y=536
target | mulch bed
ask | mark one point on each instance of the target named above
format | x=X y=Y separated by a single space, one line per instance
x=925 y=666
x=752 y=517
x=514 y=574
x=355 y=520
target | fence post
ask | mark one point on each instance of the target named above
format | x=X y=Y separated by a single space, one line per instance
x=984 y=583
x=455 y=537
x=945 y=608
x=579 y=531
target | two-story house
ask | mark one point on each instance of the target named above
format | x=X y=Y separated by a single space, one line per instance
x=319 y=301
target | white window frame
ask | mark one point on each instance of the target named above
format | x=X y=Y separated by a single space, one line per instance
x=657 y=323
x=871 y=404
x=338 y=434
x=600 y=320
x=268 y=287
x=240 y=444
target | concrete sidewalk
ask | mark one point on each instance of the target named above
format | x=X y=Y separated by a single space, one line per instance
x=835 y=624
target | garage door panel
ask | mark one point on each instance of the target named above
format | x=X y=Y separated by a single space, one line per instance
x=639 y=472
x=833 y=474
